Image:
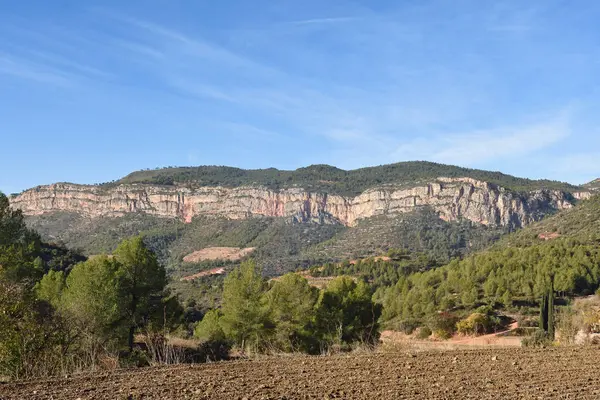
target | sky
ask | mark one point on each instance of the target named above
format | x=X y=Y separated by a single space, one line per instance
x=93 y=90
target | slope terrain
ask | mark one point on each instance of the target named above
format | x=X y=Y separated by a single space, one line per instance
x=295 y=219
x=593 y=185
x=564 y=248
x=560 y=373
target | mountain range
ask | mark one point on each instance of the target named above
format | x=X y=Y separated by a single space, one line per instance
x=293 y=219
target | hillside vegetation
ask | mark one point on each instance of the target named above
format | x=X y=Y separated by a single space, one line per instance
x=281 y=246
x=328 y=179
x=516 y=269
x=593 y=185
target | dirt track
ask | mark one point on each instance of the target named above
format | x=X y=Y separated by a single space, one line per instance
x=472 y=374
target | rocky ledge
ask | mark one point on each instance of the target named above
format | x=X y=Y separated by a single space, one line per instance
x=451 y=198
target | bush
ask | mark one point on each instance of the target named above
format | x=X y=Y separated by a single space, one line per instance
x=528 y=322
x=135 y=358
x=214 y=350
x=481 y=322
x=424 y=333
x=442 y=334
x=407 y=326
x=538 y=339
x=443 y=324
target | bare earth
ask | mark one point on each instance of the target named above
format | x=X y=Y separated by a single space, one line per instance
x=498 y=339
x=218 y=253
x=557 y=373
x=214 y=271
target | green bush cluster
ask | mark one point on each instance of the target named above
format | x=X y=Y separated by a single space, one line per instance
x=483 y=321
x=289 y=315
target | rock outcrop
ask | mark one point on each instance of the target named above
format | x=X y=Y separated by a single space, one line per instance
x=451 y=198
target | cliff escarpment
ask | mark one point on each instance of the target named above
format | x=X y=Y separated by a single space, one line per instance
x=451 y=198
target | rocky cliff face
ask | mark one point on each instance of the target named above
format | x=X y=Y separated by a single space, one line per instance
x=452 y=199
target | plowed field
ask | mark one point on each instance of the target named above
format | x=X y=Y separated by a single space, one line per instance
x=559 y=373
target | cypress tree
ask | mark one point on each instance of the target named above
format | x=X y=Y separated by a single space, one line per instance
x=551 y=309
x=544 y=312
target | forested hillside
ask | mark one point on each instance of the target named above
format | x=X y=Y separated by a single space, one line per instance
x=280 y=246
x=565 y=248
x=325 y=178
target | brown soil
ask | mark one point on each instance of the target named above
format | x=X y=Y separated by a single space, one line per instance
x=376 y=259
x=549 y=235
x=557 y=373
x=218 y=253
x=500 y=339
x=214 y=271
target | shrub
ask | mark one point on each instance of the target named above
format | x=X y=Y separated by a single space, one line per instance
x=214 y=350
x=442 y=334
x=482 y=321
x=443 y=324
x=407 y=326
x=135 y=358
x=524 y=322
x=424 y=333
x=538 y=339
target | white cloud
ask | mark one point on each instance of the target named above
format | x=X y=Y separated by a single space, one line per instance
x=479 y=147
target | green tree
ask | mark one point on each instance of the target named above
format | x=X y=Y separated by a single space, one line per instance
x=51 y=287
x=346 y=312
x=12 y=225
x=209 y=328
x=92 y=301
x=32 y=338
x=291 y=306
x=142 y=282
x=244 y=318
x=19 y=247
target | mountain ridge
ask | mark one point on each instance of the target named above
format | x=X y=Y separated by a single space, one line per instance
x=333 y=180
x=451 y=198
x=182 y=217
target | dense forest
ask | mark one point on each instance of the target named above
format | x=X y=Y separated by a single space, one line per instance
x=328 y=179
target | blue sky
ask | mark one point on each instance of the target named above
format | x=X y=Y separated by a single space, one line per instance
x=92 y=90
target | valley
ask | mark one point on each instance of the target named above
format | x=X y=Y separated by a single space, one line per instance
x=407 y=269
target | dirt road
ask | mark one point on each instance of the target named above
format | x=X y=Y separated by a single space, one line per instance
x=559 y=373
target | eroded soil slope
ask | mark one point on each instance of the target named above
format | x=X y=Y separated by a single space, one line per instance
x=475 y=374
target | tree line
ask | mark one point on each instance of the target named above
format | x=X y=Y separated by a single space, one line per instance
x=290 y=315
x=61 y=312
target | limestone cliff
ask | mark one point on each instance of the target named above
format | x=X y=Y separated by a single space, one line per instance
x=451 y=198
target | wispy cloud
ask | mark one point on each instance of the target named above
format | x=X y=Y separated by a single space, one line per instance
x=138 y=48
x=486 y=146
x=332 y=20
x=248 y=130
x=172 y=42
x=66 y=64
x=23 y=69
x=580 y=167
